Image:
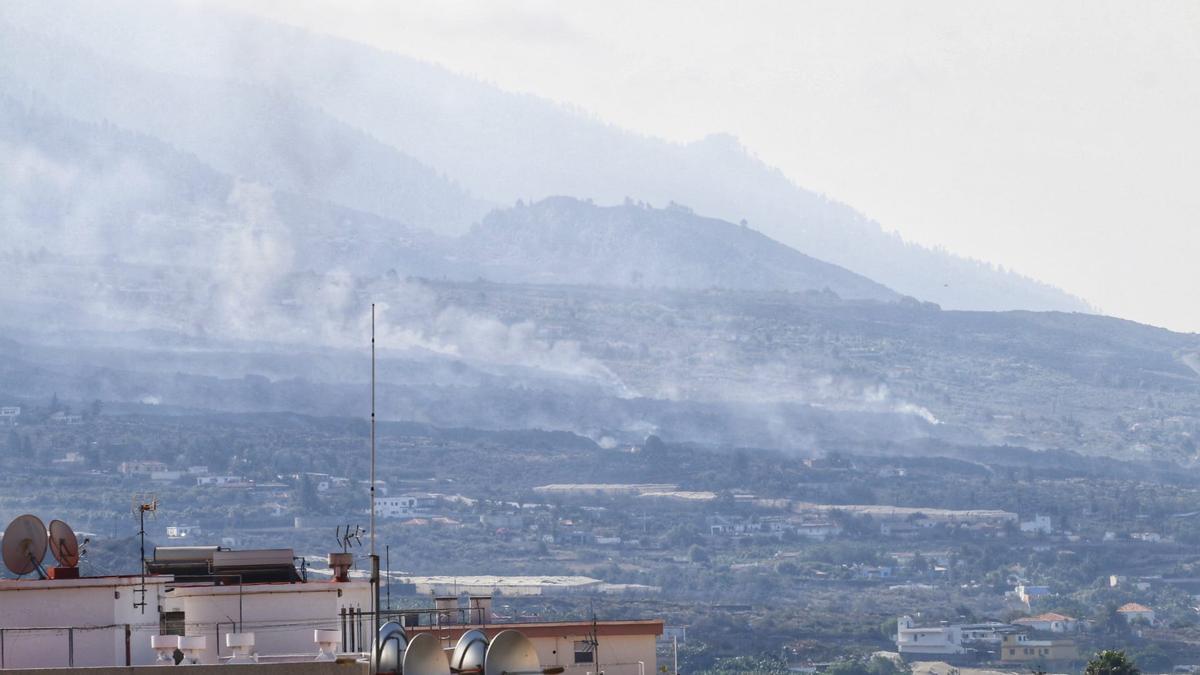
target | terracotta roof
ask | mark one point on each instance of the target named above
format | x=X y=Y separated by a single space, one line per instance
x=1133 y=607
x=1048 y=616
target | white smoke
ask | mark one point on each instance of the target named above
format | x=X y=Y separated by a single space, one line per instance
x=264 y=297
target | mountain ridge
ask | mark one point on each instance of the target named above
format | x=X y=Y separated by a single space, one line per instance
x=566 y=240
x=502 y=146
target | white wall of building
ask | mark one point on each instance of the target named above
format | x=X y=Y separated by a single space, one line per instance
x=281 y=616
x=911 y=639
x=96 y=609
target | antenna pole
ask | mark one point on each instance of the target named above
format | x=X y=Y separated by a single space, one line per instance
x=140 y=591
x=372 y=429
x=374 y=555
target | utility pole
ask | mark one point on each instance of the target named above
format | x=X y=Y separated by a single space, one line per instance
x=374 y=555
x=675 y=655
x=143 y=507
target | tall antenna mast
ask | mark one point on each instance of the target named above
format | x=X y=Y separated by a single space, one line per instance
x=142 y=507
x=374 y=555
x=372 y=429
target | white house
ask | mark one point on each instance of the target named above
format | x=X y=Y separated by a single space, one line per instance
x=928 y=640
x=183 y=531
x=1039 y=525
x=396 y=507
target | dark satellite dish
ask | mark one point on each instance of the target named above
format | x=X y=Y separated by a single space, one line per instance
x=63 y=544
x=24 y=544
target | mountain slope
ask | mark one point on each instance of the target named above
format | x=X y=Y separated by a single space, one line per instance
x=102 y=221
x=564 y=240
x=501 y=146
x=97 y=195
x=259 y=133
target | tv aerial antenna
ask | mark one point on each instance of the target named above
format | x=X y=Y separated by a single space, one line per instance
x=593 y=640
x=143 y=504
x=348 y=537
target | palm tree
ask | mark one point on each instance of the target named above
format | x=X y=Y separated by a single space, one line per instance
x=1111 y=662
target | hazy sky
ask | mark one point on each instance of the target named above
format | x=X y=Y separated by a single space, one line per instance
x=1057 y=139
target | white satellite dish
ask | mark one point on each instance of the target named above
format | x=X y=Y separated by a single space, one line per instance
x=388 y=650
x=511 y=653
x=25 y=542
x=469 y=653
x=425 y=656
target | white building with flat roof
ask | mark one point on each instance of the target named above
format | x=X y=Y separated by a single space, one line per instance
x=395 y=507
x=95 y=622
x=1039 y=525
x=927 y=640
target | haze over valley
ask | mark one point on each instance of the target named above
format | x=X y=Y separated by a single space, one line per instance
x=222 y=201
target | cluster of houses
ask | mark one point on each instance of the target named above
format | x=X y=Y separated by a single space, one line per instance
x=10 y=416
x=1043 y=639
x=733 y=526
x=159 y=471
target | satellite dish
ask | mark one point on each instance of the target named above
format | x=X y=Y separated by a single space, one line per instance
x=424 y=656
x=389 y=647
x=24 y=544
x=469 y=653
x=63 y=544
x=511 y=653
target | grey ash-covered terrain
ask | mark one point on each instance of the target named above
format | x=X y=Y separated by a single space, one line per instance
x=806 y=372
x=188 y=224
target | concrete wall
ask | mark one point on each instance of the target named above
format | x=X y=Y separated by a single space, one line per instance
x=310 y=668
x=281 y=616
x=618 y=655
x=98 y=609
x=35 y=615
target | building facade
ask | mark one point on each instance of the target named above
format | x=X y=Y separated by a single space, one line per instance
x=927 y=640
x=1024 y=649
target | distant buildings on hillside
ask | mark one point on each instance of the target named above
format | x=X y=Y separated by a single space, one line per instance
x=996 y=641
